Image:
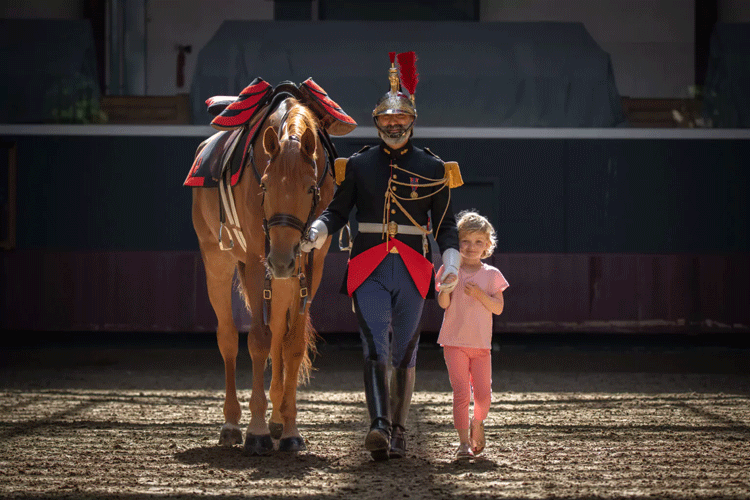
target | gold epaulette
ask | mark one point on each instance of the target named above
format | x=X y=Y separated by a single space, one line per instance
x=453 y=174
x=339 y=166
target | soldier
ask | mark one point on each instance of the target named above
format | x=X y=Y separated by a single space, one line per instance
x=397 y=188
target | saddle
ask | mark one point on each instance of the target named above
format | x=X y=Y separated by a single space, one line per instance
x=238 y=119
x=216 y=155
x=234 y=112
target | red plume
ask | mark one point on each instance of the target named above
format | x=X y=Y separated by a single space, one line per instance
x=392 y=56
x=407 y=63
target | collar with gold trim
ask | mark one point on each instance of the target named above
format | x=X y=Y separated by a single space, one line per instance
x=396 y=152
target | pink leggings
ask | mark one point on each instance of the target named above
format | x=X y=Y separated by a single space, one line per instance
x=469 y=369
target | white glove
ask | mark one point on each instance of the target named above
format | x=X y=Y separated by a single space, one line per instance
x=451 y=263
x=315 y=237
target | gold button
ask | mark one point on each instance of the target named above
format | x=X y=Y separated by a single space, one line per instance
x=393 y=188
x=393 y=211
x=394 y=176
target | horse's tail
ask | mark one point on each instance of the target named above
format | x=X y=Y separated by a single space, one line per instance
x=311 y=350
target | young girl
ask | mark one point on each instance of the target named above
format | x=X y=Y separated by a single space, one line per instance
x=466 y=333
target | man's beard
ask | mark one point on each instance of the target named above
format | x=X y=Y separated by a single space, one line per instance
x=394 y=131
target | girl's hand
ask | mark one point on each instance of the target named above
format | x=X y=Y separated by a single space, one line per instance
x=472 y=290
x=450 y=279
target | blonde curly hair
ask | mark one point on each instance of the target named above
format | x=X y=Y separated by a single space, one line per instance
x=469 y=221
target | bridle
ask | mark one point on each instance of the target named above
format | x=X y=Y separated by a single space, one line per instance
x=283 y=219
x=290 y=220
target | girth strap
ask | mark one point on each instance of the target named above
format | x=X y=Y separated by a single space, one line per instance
x=228 y=215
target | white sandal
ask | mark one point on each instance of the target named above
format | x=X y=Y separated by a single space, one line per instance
x=464 y=451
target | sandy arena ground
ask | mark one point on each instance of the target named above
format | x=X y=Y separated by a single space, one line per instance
x=566 y=422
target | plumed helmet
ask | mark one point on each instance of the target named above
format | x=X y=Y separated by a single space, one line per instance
x=395 y=101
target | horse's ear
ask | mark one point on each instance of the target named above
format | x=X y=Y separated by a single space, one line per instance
x=308 y=142
x=271 y=141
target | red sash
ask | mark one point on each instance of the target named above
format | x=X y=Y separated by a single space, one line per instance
x=362 y=266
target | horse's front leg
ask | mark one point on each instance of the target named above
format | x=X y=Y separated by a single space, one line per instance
x=287 y=352
x=294 y=353
x=279 y=325
x=258 y=439
x=220 y=268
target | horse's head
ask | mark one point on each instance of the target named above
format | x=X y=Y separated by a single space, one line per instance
x=290 y=187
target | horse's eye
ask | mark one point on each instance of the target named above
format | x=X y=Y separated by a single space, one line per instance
x=311 y=190
x=263 y=186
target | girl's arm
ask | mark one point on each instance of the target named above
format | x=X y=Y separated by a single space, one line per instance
x=493 y=303
x=444 y=299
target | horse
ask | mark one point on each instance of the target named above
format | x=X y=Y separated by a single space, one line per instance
x=274 y=209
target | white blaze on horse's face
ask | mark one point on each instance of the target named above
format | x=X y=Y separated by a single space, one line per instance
x=289 y=186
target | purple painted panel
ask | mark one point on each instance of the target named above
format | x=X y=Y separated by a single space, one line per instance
x=166 y=291
x=544 y=288
x=331 y=311
x=724 y=289
x=149 y=291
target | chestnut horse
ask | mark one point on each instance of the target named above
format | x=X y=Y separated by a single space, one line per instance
x=296 y=184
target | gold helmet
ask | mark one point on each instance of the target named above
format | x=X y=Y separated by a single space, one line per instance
x=395 y=101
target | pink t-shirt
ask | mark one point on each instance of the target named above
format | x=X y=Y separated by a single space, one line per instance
x=466 y=322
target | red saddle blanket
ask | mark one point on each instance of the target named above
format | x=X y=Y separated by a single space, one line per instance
x=334 y=120
x=231 y=145
x=240 y=111
x=235 y=112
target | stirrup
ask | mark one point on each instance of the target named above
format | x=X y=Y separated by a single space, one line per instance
x=222 y=246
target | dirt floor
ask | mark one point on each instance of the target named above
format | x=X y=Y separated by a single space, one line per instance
x=568 y=420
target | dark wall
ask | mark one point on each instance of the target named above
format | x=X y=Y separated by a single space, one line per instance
x=604 y=195
x=543 y=195
x=104 y=193
x=594 y=235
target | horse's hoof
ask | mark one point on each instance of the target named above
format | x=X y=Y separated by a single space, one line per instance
x=230 y=435
x=258 y=445
x=294 y=443
x=275 y=429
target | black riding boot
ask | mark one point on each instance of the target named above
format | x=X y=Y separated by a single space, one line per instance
x=402 y=387
x=377 y=441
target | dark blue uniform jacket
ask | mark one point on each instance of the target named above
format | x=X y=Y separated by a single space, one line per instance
x=364 y=187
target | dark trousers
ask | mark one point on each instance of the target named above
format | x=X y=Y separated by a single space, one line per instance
x=389 y=307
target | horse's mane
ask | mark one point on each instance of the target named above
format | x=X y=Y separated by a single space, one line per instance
x=299 y=118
